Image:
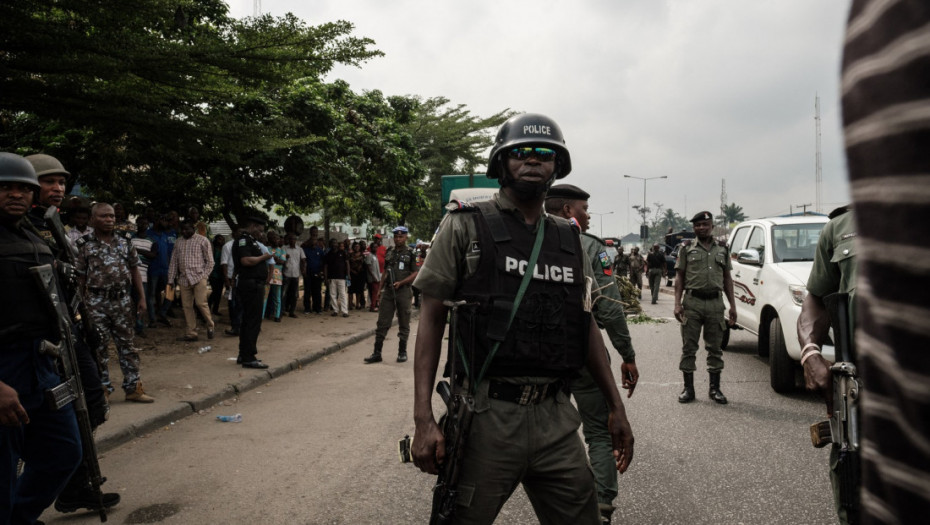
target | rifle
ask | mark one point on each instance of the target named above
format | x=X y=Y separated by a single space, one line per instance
x=842 y=429
x=71 y=389
x=455 y=425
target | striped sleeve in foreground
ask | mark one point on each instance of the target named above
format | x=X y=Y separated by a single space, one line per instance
x=886 y=113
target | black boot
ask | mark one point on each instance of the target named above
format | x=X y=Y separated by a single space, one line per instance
x=687 y=395
x=375 y=356
x=76 y=495
x=402 y=352
x=714 y=391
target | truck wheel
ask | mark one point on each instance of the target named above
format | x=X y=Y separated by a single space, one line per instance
x=726 y=339
x=781 y=366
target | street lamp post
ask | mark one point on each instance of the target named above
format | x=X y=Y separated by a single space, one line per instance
x=643 y=209
x=602 y=219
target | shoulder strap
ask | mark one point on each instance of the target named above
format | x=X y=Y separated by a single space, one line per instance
x=495 y=222
x=567 y=234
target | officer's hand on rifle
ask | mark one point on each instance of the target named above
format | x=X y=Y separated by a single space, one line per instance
x=630 y=375
x=817 y=378
x=429 y=447
x=622 y=437
x=12 y=413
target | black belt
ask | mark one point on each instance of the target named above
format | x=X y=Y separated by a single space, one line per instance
x=523 y=394
x=704 y=294
x=109 y=293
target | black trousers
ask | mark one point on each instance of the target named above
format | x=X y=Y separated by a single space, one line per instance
x=251 y=296
x=290 y=294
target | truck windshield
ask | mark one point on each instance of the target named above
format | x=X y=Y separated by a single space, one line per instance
x=795 y=242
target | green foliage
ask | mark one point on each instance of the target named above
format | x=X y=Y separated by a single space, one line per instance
x=174 y=103
x=643 y=318
x=732 y=213
x=449 y=141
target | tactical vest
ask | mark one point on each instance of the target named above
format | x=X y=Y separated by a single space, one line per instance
x=246 y=246
x=549 y=334
x=400 y=263
x=23 y=314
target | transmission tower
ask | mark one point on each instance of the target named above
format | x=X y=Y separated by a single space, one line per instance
x=257 y=8
x=723 y=203
x=818 y=174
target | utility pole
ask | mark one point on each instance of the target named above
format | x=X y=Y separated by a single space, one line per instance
x=803 y=207
x=257 y=8
x=818 y=172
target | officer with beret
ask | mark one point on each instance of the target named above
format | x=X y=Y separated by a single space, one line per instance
x=702 y=273
x=524 y=329
x=571 y=202
x=251 y=269
x=396 y=295
x=47 y=440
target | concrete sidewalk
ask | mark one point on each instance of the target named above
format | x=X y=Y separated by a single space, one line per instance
x=184 y=381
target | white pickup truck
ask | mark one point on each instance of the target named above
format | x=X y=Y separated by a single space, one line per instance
x=772 y=259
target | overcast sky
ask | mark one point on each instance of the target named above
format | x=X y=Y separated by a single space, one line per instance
x=695 y=90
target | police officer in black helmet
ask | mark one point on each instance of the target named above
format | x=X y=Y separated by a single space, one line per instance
x=45 y=439
x=524 y=429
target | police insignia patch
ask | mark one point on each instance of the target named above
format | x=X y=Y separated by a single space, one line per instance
x=241 y=242
x=605 y=263
x=474 y=247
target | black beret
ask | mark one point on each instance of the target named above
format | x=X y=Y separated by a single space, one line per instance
x=567 y=191
x=703 y=216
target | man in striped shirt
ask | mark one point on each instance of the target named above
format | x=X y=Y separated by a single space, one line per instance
x=191 y=264
x=886 y=119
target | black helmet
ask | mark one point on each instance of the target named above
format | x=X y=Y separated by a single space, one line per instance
x=525 y=129
x=47 y=165
x=14 y=168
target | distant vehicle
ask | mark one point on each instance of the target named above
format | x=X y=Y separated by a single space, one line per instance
x=772 y=259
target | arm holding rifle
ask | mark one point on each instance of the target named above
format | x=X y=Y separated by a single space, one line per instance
x=429 y=449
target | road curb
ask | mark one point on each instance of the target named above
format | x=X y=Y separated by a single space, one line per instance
x=177 y=411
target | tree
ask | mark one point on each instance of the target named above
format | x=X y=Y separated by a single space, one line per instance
x=732 y=214
x=160 y=99
x=449 y=140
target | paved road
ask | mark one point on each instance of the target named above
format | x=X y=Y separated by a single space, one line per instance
x=318 y=446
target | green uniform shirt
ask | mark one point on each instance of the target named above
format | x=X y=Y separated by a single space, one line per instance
x=607 y=309
x=703 y=268
x=834 y=267
x=453 y=257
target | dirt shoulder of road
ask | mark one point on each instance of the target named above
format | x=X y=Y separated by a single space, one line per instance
x=184 y=381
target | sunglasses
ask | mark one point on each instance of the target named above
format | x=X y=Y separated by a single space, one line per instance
x=541 y=154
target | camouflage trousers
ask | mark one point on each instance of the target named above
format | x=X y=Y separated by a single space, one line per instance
x=115 y=320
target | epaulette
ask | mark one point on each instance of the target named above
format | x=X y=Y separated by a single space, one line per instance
x=839 y=211
x=82 y=240
x=456 y=206
x=595 y=237
x=125 y=234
